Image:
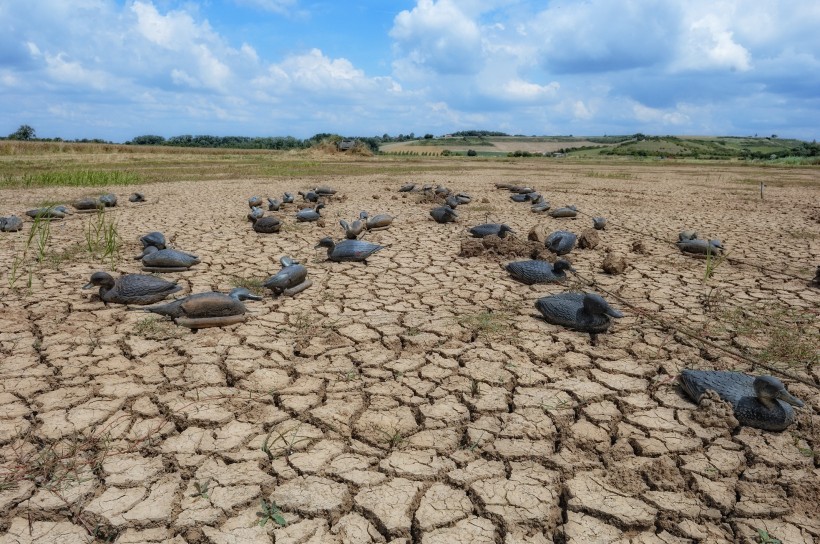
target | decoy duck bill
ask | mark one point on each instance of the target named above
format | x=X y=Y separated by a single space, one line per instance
x=613 y=312
x=88 y=286
x=785 y=396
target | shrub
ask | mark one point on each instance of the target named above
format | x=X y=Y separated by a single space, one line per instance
x=471 y=153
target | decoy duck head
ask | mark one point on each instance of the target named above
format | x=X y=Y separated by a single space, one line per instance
x=242 y=293
x=344 y=224
x=596 y=305
x=100 y=279
x=286 y=261
x=561 y=265
x=147 y=250
x=363 y=215
x=503 y=230
x=769 y=388
x=156 y=239
x=327 y=242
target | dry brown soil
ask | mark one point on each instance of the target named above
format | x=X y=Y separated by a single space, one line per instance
x=417 y=398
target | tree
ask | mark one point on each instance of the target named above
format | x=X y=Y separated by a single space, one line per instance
x=428 y=136
x=25 y=132
x=471 y=153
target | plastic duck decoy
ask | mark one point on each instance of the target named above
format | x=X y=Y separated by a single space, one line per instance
x=255 y=213
x=287 y=198
x=309 y=214
x=267 y=225
x=566 y=211
x=109 y=200
x=49 y=212
x=88 y=204
x=490 y=229
x=132 y=288
x=700 y=247
x=599 y=223
x=11 y=223
x=444 y=214
x=760 y=402
x=255 y=202
x=136 y=197
x=289 y=281
x=585 y=312
x=155 y=239
x=561 y=242
x=377 y=222
x=537 y=271
x=352 y=230
x=407 y=187
x=273 y=204
x=204 y=310
x=166 y=260
x=348 y=250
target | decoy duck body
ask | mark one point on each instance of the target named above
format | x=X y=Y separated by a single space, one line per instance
x=352 y=230
x=760 y=402
x=309 y=214
x=586 y=312
x=700 y=247
x=444 y=214
x=490 y=229
x=561 y=242
x=566 y=211
x=287 y=198
x=309 y=196
x=348 y=250
x=158 y=259
x=255 y=202
x=11 y=224
x=132 y=288
x=255 y=213
x=267 y=225
x=109 y=200
x=49 y=212
x=88 y=203
x=136 y=197
x=207 y=309
x=537 y=271
x=273 y=205
x=380 y=221
x=290 y=280
x=599 y=223
x=407 y=187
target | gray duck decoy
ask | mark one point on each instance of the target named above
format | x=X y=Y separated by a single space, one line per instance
x=407 y=187
x=599 y=223
x=522 y=189
x=760 y=402
x=444 y=214
x=255 y=213
x=700 y=247
x=537 y=271
x=586 y=312
x=11 y=223
x=490 y=229
x=377 y=222
x=540 y=207
x=309 y=214
x=267 y=225
x=166 y=260
x=503 y=186
x=352 y=230
x=287 y=198
x=136 y=197
x=566 y=211
x=520 y=197
x=452 y=201
x=441 y=190
x=292 y=279
x=348 y=250
x=87 y=204
x=132 y=288
x=206 y=309
x=155 y=239
x=309 y=196
x=109 y=200
x=273 y=204
x=561 y=242
x=324 y=190
x=49 y=212
x=255 y=202
x=813 y=283
x=685 y=235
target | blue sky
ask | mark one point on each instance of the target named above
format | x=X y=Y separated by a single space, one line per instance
x=116 y=69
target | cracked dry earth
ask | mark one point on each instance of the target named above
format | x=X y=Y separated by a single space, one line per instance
x=418 y=398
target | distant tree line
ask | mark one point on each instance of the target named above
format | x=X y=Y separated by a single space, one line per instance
x=479 y=134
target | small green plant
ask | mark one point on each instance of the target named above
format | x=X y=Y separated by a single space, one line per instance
x=766 y=538
x=394 y=440
x=201 y=489
x=102 y=238
x=475 y=387
x=712 y=262
x=287 y=444
x=253 y=284
x=270 y=512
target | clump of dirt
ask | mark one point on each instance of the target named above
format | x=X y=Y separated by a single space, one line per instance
x=589 y=239
x=485 y=200
x=714 y=412
x=664 y=474
x=538 y=234
x=508 y=247
x=375 y=197
x=614 y=263
x=639 y=247
x=626 y=478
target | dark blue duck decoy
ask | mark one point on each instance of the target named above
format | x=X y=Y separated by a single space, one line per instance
x=407 y=187
x=207 y=309
x=255 y=202
x=292 y=279
x=520 y=198
x=88 y=204
x=348 y=250
x=166 y=260
x=599 y=223
x=324 y=190
x=109 y=200
x=537 y=271
x=309 y=196
x=377 y=222
x=309 y=214
x=267 y=225
x=760 y=402
x=11 y=223
x=273 y=205
x=490 y=229
x=700 y=247
x=585 y=312
x=49 y=212
x=352 y=230
x=132 y=288
x=561 y=242
x=287 y=198
x=136 y=197
x=566 y=211
x=155 y=239
x=255 y=213
x=444 y=214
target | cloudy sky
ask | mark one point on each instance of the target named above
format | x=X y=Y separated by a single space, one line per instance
x=115 y=69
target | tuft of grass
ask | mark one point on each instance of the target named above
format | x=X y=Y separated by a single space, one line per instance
x=270 y=512
x=488 y=323
x=155 y=329
x=253 y=284
x=766 y=538
x=102 y=238
x=71 y=178
x=712 y=262
x=610 y=175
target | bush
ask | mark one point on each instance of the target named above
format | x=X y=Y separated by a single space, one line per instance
x=471 y=153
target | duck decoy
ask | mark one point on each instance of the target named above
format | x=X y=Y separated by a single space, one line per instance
x=407 y=187
x=49 y=212
x=685 y=235
x=352 y=230
x=292 y=279
x=444 y=214
x=309 y=214
x=155 y=239
x=760 y=402
x=273 y=205
x=255 y=202
x=136 y=197
x=377 y=222
x=255 y=213
x=287 y=198
x=309 y=196
x=537 y=271
x=348 y=250
x=520 y=198
x=204 y=310
x=599 y=223
x=815 y=282
x=566 y=211
x=586 y=312
x=561 y=242
x=11 y=223
x=452 y=201
x=490 y=229
x=463 y=198
x=132 y=288
x=540 y=207
x=267 y=225
x=166 y=260
x=441 y=190
x=701 y=247
x=324 y=190
x=109 y=200
x=502 y=185
x=87 y=204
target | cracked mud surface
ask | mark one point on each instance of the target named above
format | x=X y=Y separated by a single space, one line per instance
x=415 y=399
